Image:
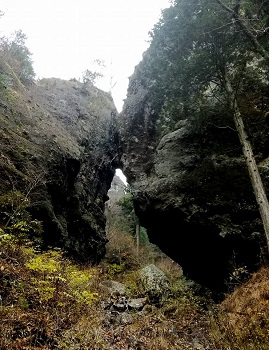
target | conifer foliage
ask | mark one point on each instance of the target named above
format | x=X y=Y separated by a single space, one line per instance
x=194 y=45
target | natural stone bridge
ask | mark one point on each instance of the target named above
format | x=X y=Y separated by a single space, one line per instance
x=191 y=190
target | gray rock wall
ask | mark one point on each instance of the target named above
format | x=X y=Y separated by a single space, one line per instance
x=63 y=133
x=192 y=191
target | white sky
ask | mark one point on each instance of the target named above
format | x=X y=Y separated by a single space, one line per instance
x=65 y=36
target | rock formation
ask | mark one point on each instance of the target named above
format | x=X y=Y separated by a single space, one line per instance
x=191 y=189
x=59 y=146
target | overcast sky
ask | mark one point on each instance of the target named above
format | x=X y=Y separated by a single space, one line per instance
x=65 y=36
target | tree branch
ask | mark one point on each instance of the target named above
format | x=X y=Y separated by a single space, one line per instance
x=248 y=32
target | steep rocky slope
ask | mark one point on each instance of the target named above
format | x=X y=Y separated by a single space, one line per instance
x=191 y=188
x=58 y=146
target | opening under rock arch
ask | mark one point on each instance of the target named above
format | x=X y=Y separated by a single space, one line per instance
x=120 y=174
x=117 y=190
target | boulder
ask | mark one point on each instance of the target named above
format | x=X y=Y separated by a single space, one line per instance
x=137 y=304
x=155 y=283
x=124 y=318
x=115 y=288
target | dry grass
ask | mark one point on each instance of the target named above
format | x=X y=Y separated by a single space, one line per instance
x=242 y=320
x=121 y=248
x=38 y=304
x=33 y=320
x=27 y=322
x=57 y=314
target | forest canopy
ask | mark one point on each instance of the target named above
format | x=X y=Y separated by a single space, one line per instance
x=195 y=46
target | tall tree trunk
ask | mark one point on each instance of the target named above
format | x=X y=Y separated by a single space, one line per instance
x=137 y=234
x=253 y=170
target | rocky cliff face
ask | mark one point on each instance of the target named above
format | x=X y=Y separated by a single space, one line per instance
x=192 y=191
x=58 y=144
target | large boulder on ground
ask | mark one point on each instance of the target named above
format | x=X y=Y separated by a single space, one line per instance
x=155 y=283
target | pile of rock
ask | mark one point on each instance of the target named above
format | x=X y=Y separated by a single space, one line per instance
x=121 y=308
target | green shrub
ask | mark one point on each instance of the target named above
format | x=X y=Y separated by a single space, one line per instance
x=59 y=279
x=16 y=221
x=115 y=269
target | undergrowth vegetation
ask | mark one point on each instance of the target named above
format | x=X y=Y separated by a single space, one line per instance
x=188 y=319
x=49 y=302
x=242 y=319
x=42 y=294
